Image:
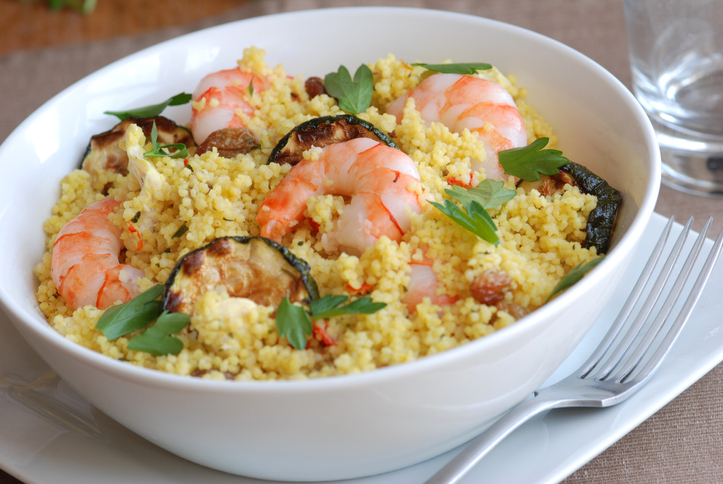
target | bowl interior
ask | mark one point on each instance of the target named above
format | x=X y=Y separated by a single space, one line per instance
x=597 y=120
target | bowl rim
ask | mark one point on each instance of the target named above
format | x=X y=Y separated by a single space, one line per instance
x=157 y=378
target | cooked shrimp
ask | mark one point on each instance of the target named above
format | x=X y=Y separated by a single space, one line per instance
x=85 y=266
x=375 y=176
x=423 y=283
x=217 y=98
x=484 y=107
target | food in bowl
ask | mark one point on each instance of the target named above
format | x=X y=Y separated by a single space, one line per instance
x=296 y=240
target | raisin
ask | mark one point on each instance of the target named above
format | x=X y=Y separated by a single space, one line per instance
x=488 y=288
x=314 y=87
x=514 y=310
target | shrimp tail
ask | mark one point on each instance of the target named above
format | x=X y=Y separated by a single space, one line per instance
x=119 y=285
x=85 y=263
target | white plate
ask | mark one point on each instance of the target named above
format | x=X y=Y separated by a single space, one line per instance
x=50 y=434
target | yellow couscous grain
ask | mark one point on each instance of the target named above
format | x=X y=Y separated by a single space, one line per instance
x=208 y=196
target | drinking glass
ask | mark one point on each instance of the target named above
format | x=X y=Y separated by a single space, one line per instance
x=676 y=57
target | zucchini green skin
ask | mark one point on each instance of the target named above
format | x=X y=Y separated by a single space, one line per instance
x=601 y=221
x=170 y=301
x=289 y=148
x=298 y=263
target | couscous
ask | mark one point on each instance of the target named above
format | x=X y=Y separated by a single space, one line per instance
x=411 y=280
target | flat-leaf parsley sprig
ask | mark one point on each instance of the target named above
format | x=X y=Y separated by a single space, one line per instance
x=532 y=160
x=473 y=214
x=135 y=314
x=157 y=339
x=152 y=110
x=575 y=274
x=467 y=68
x=158 y=149
x=354 y=95
x=489 y=194
x=138 y=313
x=331 y=306
x=294 y=322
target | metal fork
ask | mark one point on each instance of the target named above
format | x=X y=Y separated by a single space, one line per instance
x=616 y=369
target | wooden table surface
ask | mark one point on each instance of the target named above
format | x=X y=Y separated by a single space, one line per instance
x=31 y=26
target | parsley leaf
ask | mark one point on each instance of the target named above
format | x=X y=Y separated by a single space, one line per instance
x=575 y=274
x=463 y=68
x=473 y=216
x=153 y=110
x=157 y=339
x=475 y=219
x=330 y=306
x=529 y=161
x=181 y=230
x=132 y=315
x=327 y=303
x=251 y=86
x=182 y=151
x=489 y=194
x=293 y=323
x=355 y=95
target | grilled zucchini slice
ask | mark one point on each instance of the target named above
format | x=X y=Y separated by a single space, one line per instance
x=322 y=132
x=252 y=267
x=104 y=154
x=601 y=221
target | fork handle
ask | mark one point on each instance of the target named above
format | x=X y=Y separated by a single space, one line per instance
x=488 y=440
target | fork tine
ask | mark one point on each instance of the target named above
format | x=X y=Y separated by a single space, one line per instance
x=653 y=296
x=682 y=318
x=622 y=317
x=634 y=359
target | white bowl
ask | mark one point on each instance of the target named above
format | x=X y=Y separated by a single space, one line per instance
x=349 y=426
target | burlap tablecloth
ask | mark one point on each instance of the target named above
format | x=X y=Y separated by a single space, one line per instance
x=682 y=442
